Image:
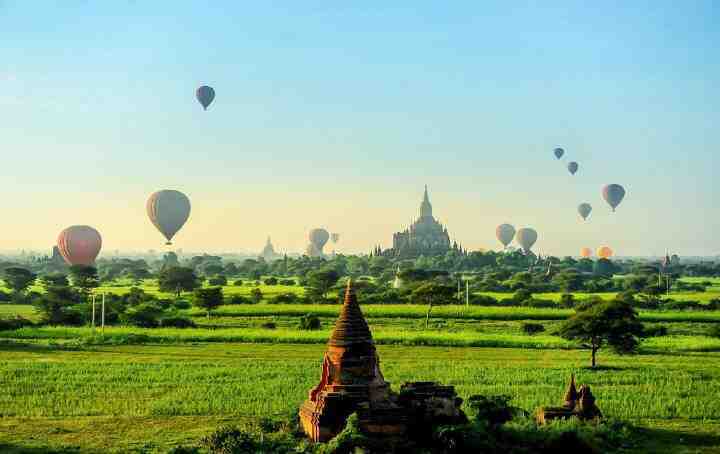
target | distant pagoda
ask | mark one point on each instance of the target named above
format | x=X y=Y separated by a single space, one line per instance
x=351 y=382
x=425 y=236
x=268 y=253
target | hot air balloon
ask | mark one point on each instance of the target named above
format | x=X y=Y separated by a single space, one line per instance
x=505 y=234
x=604 y=252
x=526 y=237
x=79 y=245
x=559 y=152
x=168 y=210
x=205 y=96
x=318 y=238
x=613 y=195
x=573 y=167
x=335 y=237
x=584 y=209
x=585 y=252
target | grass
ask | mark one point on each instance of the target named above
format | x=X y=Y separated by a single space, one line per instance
x=150 y=398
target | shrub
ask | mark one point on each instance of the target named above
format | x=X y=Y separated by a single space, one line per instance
x=483 y=300
x=182 y=304
x=532 y=328
x=229 y=440
x=13 y=323
x=238 y=283
x=538 y=303
x=655 y=331
x=491 y=410
x=4 y=296
x=715 y=331
x=310 y=322
x=177 y=321
x=522 y=295
x=287 y=282
x=238 y=299
x=271 y=281
x=217 y=281
x=284 y=298
x=672 y=305
x=567 y=301
x=268 y=325
x=145 y=315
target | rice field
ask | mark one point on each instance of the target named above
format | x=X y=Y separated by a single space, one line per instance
x=56 y=394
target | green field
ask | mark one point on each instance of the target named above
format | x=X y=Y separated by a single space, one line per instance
x=149 y=398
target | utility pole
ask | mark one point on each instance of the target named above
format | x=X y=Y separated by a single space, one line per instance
x=93 y=311
x=103 y=313
x=467 y=293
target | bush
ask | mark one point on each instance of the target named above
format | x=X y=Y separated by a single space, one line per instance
x=532 y=328
x=522 y=295
x=4 y=296
x=268 y=325
x=672 y=305
x=715 y=331
x=271 y=281
x=309 y=322
x=491 y=410
x=483 y=300
x=655 y=331
x=13 y=323
x=238 y=299
x=238 y=283
x=217 y=281
x=145 y=315
x=287 y=282
x=284 y=298
x=567 y=301
x=182 y=304
x=177 y=321
x=538 y=303
x=229 y=440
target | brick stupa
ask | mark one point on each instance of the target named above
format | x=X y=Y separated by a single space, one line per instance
x=351 y=382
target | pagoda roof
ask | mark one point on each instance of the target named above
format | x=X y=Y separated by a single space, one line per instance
x=350 y=327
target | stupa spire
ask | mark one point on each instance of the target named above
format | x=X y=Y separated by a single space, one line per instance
x=350 y=327
x=426 y=206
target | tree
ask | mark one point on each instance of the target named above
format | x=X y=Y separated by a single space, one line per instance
x=138 y=274
x=170 y=259
x=177 y=279
x=18 y=279
x=569 y=280
x=322 y=280
x=208 y=298
x=614 y=323
x=256 y=295
x=433 y=293
x=56 y=306
x=84 y=277
x=604 y=267
x=54 y=279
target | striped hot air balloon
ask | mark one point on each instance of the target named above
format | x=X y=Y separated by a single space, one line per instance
x=79 y=244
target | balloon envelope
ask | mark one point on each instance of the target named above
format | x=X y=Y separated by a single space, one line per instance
x=573 y=167
x=168 y=210
x=604 y=252
x=585 y=252
x=319 y=237
x=79 y=245
x=559 y=152
x=335 y=237
x=526 y=238
x=584 y=209
x=205 y=96
x=505 y=234
x=613 y=195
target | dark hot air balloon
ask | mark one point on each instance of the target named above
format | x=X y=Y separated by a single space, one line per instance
x=205 y=96
x=318 y=238
x=573 y=167
x=584 y=209
x=505 y=234
x=559 y=152
x=613 y=195
x=168 y=210
x=526 y=238
x=79 y=245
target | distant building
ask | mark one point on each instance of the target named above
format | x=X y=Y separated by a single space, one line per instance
x=426 y=236
x=55 y=256
x=268 y=253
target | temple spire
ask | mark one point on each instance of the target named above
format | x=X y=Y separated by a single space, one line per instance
x=426 y=206
x=350 y=327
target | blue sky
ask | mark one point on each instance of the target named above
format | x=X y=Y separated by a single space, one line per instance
x=336 y=116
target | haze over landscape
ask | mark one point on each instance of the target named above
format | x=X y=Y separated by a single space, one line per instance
x=336 y=116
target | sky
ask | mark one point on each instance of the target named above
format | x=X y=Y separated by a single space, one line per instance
x=336 y=116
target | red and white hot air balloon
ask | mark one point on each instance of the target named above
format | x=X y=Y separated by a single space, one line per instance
x=79 y=245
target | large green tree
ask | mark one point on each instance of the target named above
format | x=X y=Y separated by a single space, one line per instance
x=614 y=323
x=208 y=298
x=322 y=280
x=84 y=277
x=432 y=293
x=18 y=279
x=177 y=279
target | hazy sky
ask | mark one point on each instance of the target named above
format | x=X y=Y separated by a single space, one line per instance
x=336 y=116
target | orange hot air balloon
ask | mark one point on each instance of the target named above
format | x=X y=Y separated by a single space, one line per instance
x=585 y=252
x=604 y=252
x=79 y=245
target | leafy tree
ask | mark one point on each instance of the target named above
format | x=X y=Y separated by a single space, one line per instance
x=177 y=279
x=271 y=281
x=218 y=280
x=322 y=280
x=604 y=267
x=208 y=298
x=56 y=306
x=569 y=280
x=84 y=277
x=170 y=259
x=54 y=279
x=432 y=293
x=138 y=274
x=146 y=315
x=256 y=295
x=614 y=323
x=18 y=279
